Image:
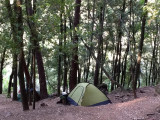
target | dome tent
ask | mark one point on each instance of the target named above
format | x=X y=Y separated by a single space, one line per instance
x=86 y=94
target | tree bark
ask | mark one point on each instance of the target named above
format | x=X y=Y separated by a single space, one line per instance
x=137 y=71
x=1 y=70
x=14 y=32
x=60 y=49
x=124 y=63
x=100 y=43
x=21 y=82
x=65 y=57
x=117 y=63
x=21 y=56
x=15 y=77
x=42 y=80
x=34 y=79
x=74 y=62
x=91 y=38
x=10 y=84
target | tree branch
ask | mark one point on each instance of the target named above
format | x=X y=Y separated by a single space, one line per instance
x=103 y=69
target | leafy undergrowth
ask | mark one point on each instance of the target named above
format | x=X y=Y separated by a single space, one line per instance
x=123 y=107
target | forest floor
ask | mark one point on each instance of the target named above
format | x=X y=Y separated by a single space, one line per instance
x=123 y=107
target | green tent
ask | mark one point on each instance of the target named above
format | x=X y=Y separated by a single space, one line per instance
x=86 y=94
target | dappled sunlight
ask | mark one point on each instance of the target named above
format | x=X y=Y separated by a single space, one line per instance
x=11 y=1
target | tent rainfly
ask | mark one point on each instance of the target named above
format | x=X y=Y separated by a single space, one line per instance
x=86 y=94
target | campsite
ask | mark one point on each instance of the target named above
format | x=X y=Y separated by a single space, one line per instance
x=123 y=107
x=80 y=60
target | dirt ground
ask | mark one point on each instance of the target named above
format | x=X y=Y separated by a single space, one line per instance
x=123 y=107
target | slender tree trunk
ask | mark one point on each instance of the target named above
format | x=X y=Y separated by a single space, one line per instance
x=28 y=58
x=117 y=64
x=113 y=72
x=74 y=62
x=154 y=57
x=100 y=41
x=34 y=79
x=13 y=23
x=137 y=71
x=21 y=82
x=31 y=86
x=28 y=80
x=79 y=74
x=133 y=46
x=60 y=49
x=1 y=70
x=15 y=77
x=65 y=57
x=154 y=62
x=146 y=80
x=105 y=72
x=150 y=71
x=27 y=75
x=21 y=56
x=91 y=38
x=124 y=64
x=42 y=80
x=10 y=84
x=157 y=52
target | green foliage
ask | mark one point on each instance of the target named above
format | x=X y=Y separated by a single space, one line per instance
x=47 y=20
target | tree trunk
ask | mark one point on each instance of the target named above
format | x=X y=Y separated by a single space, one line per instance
x=154 y=57
x=133 y=46
x=15 y=77
x=91 y=38
x=65 y=57
x=150 y=71
x=42 y=80
x=21 y=82
x=60 y=49
x=154 y=62
x=146 y=80
x=1 y=70
x=117 y=63
x=34 y=79
x=10 y=84
x=124 y=64
x=105 y=72
x=79 y=74
x=74 y=62
x=21 y=56
x=13 y=23
x=100 y=44
x=137 y=71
